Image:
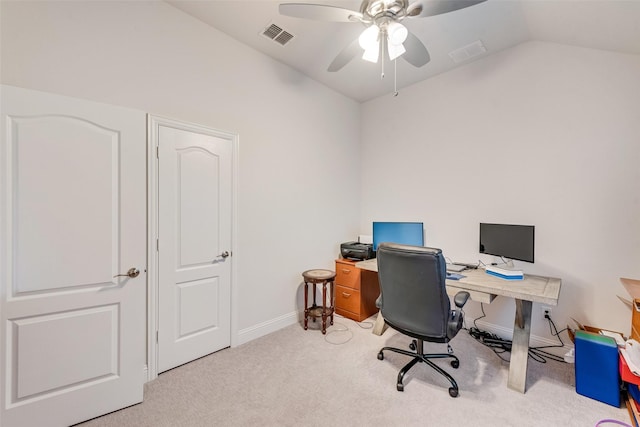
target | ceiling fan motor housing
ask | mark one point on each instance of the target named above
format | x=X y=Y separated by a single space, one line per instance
x=384 y=10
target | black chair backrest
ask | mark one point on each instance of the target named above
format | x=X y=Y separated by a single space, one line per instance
x=413 y=290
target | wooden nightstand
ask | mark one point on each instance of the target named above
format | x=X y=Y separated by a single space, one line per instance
x=356 y=291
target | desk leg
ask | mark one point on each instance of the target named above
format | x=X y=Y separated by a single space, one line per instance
x=520 y=346
x=380 y=326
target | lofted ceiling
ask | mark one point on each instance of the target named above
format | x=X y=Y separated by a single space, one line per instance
x=498 y=24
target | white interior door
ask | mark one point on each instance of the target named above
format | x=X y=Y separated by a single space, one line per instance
x=194 y=249
x=73 y=197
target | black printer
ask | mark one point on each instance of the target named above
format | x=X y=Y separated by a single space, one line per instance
x=358 y=251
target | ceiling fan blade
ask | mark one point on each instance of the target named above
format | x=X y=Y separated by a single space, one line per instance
x=422 y=8
x=345 y=55
x=320 y=12
x=416 y=54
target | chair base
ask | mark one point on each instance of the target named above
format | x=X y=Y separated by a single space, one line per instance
x=420 y=356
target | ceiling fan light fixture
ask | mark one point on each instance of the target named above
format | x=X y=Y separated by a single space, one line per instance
x=396 y=33
x=395 y=50
x=369 y=37
x=369 y=41
x=371 y=54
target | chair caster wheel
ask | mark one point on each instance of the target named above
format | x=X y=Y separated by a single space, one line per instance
x=453 y=392
x=412 y=346
x=400 y=387
x=455 y=364
x=380 y=356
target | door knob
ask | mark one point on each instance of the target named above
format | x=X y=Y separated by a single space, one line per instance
x=132 y=272
x=224 y=254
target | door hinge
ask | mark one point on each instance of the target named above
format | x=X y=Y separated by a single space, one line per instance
x=157 y=152
x=157 y=245
x=156 y=337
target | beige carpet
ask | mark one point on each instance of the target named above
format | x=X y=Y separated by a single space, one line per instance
x=302 y=378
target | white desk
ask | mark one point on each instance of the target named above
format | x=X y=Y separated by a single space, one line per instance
x=484 y=287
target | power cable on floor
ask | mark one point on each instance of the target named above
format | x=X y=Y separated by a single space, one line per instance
x=500 y=345
x=344 y=328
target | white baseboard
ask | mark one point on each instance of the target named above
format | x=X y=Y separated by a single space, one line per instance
x=265 y=328
x=534 y=340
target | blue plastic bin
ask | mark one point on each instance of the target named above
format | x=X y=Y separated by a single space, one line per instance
x=596 y=364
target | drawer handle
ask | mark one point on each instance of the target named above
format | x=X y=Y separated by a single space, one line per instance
x=346 y=295
x=345 y=271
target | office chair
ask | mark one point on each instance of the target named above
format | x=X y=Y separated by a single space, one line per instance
x=413 y=300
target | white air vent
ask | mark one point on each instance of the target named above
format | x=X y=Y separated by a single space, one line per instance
x=277 y=34
x=467 y=52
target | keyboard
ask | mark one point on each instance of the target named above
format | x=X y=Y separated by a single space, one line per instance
x=455 y=267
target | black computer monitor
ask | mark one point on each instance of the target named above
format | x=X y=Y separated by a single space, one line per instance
x=405 y=233
x=508 y=241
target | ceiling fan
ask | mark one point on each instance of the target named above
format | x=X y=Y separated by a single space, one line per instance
x=384 y=32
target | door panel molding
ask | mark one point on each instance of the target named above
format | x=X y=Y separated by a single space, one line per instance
x=193 y=162
x=197 y=297
x=153 y=125
x=69 y=163
x=98 y=328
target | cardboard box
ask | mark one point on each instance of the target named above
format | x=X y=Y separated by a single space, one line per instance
x=633 y=289
x=635 y=319
x=580 y=327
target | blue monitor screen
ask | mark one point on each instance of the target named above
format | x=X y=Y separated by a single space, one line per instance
x=404 y=233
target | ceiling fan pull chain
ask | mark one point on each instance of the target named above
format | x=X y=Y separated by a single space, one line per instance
x=382 y=62
x=395 y=77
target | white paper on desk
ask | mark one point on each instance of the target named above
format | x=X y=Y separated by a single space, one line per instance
x=631 y=354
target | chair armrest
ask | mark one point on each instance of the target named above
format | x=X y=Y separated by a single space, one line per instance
x=461 y=298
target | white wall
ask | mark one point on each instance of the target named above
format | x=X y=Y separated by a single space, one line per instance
x=540 y=134
x=298 y=139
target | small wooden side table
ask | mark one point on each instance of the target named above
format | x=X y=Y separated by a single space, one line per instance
x=324 y=277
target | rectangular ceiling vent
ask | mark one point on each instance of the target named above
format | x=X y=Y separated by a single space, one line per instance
x=467 y=52
x=277 y=34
